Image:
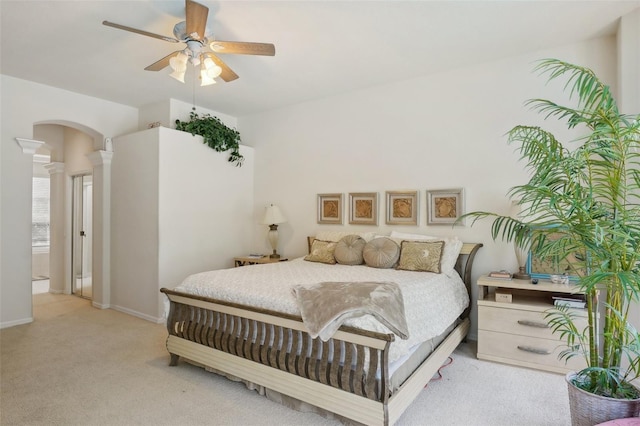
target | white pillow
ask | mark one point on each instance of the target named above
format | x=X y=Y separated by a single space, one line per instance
x=452 y=247
x=336 y=236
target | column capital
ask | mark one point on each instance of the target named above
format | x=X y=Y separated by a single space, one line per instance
x=99 y=158
x=54 y=168
x=29 y=146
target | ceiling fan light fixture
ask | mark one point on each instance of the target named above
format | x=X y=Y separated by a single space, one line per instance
x=214 y=72
x=179 y=62
x=178 y=75
x=206 y=80
x=212 y=69
x=194 y=33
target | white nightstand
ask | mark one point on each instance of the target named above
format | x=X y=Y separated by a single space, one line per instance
x=251 y=260
x=516 y=332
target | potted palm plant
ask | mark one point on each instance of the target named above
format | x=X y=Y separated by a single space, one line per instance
x=581 y=205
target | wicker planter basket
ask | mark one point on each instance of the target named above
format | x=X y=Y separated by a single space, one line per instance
x=588 y=409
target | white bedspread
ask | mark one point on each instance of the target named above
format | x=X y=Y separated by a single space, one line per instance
x=432 y=301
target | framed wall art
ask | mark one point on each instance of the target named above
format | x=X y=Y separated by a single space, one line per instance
x=445 y=206
x=330 y=208
x=363 y=208
x=402 y=207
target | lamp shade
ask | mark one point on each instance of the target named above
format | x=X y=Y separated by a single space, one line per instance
x=273 y=215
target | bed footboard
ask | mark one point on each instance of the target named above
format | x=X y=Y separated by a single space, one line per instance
x=354 y=361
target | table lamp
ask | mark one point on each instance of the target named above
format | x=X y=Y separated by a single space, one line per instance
x=272 y=217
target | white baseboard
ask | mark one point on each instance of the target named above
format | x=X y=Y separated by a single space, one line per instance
x=99 y=305
x=8 y=324
x=139 y=314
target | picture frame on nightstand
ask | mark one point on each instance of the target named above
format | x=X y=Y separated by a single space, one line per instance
x=548 y=269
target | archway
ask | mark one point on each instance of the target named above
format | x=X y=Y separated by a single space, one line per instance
x=76 y=149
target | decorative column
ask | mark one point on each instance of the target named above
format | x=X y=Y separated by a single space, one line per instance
x=57 y=228
x=101 y=248
x=16 y=261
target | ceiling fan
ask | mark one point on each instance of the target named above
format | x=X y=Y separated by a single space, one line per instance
x=201 y=50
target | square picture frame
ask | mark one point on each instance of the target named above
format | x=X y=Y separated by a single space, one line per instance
x=363 y=208
x=544 y=268
x=402 y=208
x=445 y=206
x=330 y=209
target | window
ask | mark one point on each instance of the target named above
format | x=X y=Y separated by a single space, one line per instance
x=40 y=212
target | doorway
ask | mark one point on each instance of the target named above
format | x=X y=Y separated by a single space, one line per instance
x=82 y=235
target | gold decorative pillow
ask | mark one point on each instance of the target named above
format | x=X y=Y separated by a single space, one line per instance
x=322 y=251
x=421 y=256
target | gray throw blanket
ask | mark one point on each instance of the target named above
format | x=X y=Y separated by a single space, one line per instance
x=325 y=306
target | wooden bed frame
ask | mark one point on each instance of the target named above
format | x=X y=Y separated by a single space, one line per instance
x=255 y=345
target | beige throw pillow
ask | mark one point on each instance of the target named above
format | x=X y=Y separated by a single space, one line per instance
x=452 y=247
x=421 y=256
x=322 y=251
x=381 y=253
x=349 y=250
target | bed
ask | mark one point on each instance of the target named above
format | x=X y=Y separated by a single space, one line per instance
x=363 y=372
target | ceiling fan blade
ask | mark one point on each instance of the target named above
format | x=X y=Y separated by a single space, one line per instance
x=137 y=31
x=243 y=48
x=196 y=19
x=227 y=73
x=162 y=63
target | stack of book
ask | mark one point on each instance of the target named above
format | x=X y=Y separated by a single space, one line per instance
x=500 y=275
x=570 y=301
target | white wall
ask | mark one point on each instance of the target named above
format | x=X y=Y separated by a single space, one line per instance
x=179 y=207
x=135 y=222
x=168 y=111
x=629 y=62
x=24 y=104
x=629 y=87
x=439 y=131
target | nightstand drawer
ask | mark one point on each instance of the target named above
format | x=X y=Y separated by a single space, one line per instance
x=514 y=321
x=525 y=351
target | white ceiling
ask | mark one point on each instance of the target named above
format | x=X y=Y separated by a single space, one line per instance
x=322 y=47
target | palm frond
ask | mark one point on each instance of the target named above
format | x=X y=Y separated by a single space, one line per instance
x=583 y=199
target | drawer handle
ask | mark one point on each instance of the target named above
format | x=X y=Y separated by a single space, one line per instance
x=533 y=324
x=534 y=350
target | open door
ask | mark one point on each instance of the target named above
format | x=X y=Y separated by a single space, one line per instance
x=81 y=241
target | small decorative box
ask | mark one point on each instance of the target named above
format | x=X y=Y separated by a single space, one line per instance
x=503 y=295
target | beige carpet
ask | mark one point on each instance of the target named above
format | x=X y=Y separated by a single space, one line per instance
x=77 y=365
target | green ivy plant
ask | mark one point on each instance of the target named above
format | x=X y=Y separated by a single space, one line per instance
x=215 y=133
